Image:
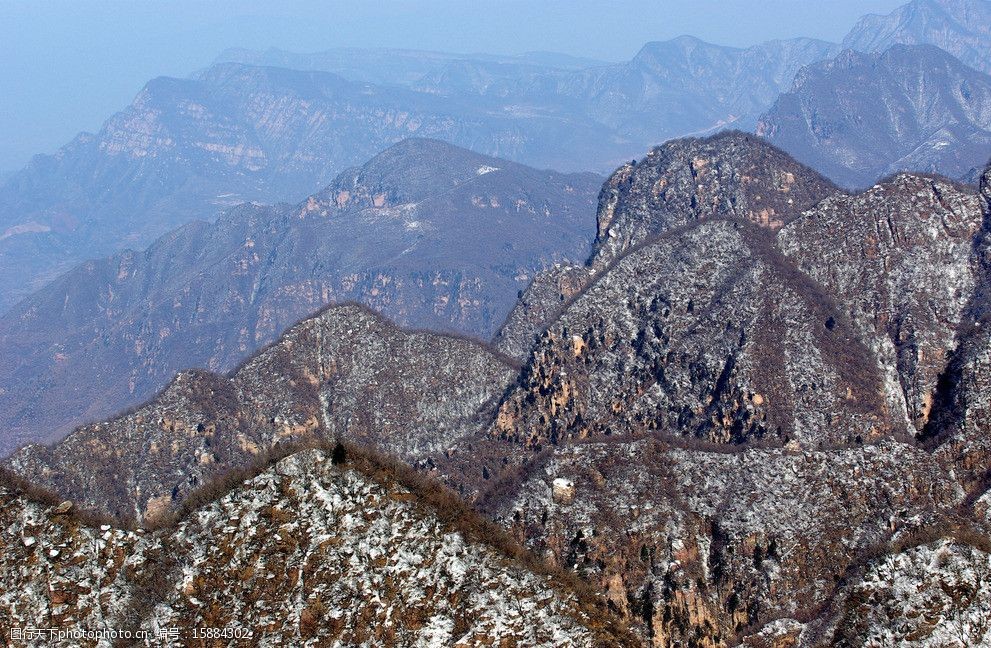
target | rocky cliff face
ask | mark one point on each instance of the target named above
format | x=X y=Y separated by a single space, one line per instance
x=958 y=424
x=429 y=234
x=943 y=578
x=862 y=116
x=305 y=552
x=538 y=305
x=960 y=27
x=732 y=175
x=898 y=257
x=705 y=546
x=343 y=373
x=686 y=334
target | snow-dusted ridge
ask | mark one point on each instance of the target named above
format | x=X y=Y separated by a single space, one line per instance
x=306 y=551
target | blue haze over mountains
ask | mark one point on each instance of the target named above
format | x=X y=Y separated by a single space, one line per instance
x=275 y=127
x=387 y=346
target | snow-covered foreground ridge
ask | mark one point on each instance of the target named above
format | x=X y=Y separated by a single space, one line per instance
x=307 y=552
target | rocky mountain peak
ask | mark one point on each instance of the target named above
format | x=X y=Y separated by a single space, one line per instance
x=960 y=27
x=409 y=172
x=730 y=175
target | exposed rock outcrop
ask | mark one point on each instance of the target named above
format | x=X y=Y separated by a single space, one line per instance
x=706 y=331
x=732 y=175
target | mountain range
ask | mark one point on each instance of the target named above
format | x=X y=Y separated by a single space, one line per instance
x=739 y=429
x=377 y=379
x=430 y=234
x=273 y=126
x=860 y=117
x=960 y=27
x=187 y=148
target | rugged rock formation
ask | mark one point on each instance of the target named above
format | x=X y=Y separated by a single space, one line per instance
x=710 y=544
x=539 y=304
x=738 y=434
x=930 y=595
x=961 y=27
x=960 y=424
x=732 y=175
x=429 y=234
x=346 y=373
x=706 y=331
x=707 y=544
x=898 y=257
x=306 y=552
x=860 y=116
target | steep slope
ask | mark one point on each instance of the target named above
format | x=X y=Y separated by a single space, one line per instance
x=958 y=426
x=539 y=305
x=718 y=430
x=345 y=372
x=861 y=116
x=945 y=579
x=427 y=233
x=707 y=332
x=676 y=303
x=899 y=259
x=304 y=553
x=960 y=27
x=730 y=175
x=733 y=175
x=696 y=544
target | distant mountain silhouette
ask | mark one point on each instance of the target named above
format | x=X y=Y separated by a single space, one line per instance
x=960 y=27
x=863 y=116
x=187 y=148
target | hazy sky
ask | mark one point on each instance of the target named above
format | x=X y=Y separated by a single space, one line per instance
x=68 y=65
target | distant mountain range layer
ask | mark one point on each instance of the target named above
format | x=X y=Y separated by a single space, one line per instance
x=430 y=234
x=272 y=126
x=960 y=27
x=859 y=117
x=187 y=148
